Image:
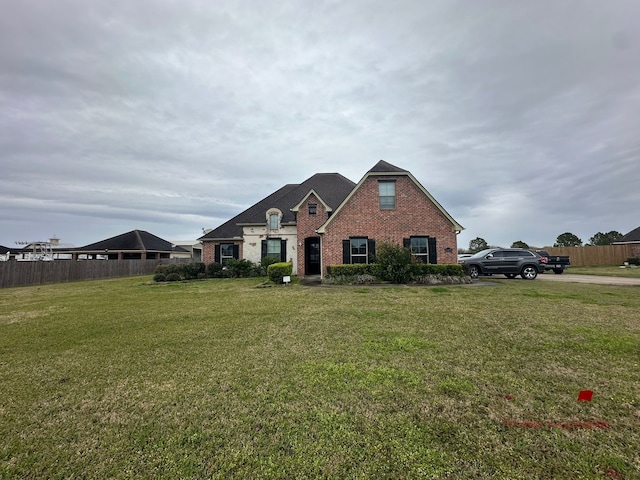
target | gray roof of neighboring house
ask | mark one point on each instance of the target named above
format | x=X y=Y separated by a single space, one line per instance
x=632 y=236
x=137 y=240
x=4 y=249
x=332 y=188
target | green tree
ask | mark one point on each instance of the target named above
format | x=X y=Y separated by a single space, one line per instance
x=605 y=238
x=567 y=239
x=519 y=244
x=477 y=244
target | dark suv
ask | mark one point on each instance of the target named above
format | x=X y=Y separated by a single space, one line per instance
x=508 y=261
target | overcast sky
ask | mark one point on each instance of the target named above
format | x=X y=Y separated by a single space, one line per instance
x=521 y=118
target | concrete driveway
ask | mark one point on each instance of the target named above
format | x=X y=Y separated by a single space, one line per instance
x=568 y=277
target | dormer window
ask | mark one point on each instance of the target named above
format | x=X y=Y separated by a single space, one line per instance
x=273 y=221
x=313 y=208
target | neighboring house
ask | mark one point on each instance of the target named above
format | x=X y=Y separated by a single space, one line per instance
x=632 y=238
x=329 y=220
x=5 y=253
x=133 y=245
x=191 y=249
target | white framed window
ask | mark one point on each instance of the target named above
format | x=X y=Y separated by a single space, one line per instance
x=226 y=252
x=313 y=208
x=387 y=194
x=358 y=250
x=420 y=248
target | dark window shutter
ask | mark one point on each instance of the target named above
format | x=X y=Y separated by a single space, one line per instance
x=433 y=253
x=236 y=251
x=371 y=246
x=346 y=254
x=264 y=248
x=283 y=250
x=216 y=255
x=406 y=242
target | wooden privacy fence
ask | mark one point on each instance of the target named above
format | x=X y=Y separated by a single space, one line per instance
x=598 y=255
x=18 y=274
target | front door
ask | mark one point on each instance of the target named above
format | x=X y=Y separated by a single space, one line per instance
x=312 y=256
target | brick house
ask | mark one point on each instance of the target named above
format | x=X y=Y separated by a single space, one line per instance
x=329 y=220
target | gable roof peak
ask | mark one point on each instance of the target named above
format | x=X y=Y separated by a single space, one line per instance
x=386 y=167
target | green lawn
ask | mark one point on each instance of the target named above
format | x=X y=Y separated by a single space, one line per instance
x=614 y=271
x=219 y=379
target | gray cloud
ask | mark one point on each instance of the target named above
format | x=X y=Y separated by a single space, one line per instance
x=520 y=118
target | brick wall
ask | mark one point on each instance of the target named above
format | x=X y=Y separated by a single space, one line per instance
x=209 y=251
x=414 y=214
x=307 y=226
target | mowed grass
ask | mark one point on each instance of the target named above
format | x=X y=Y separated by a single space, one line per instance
x=219 y=379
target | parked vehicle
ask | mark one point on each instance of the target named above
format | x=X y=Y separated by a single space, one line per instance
x=556 y=263
x=507 y=261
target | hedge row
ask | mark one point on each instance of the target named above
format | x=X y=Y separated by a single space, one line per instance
x=188 y=271
x=415 y=270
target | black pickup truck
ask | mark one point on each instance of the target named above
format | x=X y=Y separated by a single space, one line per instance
x=555 y=262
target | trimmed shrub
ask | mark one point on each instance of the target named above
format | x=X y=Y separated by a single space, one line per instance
x=240 y=268
x=214 y=270
x=169 y=268
x=173 y=277
x=634 y=261
x=187 y=271
x=453 y=269
x=349 y=270
x=276 y=271
x=161 y=269
x=193 y=270
x=159 y=277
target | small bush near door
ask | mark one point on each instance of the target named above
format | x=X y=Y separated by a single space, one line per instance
x=276 y=271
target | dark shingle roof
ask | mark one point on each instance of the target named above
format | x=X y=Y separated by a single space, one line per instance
x=332 y=188
x=4 y=249
x=137 y=240
x=632 y=236
x=386 y=167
